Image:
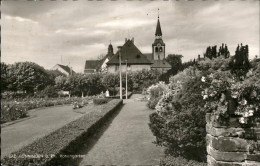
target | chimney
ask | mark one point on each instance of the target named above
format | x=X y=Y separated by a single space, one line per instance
x=132 y=40
x=125 y=39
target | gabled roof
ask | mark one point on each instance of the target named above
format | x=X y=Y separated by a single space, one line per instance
x=160 y=64
x=67 y=69
x=130 y=52
x=149 y=56
x=92 y=64
x=158 y=31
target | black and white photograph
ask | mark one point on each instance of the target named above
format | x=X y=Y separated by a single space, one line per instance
x=131 y=82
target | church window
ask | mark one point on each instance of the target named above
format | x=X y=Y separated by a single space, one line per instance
x=156 y=49
x=160 y=49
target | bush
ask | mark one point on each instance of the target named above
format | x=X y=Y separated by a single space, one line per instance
x=178 y=122
x=100 y=101
x=179 y=161
x=154 y=94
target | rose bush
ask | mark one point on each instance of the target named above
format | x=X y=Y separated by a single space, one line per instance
x=178 y=122
x=226 y=95
x=154 y=93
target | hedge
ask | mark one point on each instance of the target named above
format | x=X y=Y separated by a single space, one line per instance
x=65 y=140
x=179 y=161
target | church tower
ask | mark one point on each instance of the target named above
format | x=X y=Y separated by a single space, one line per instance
x=110 y=51
x=158 y=45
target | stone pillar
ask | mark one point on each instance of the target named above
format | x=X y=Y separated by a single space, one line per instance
x=232 y=144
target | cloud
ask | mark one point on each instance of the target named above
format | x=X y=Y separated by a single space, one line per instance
x=43 y=31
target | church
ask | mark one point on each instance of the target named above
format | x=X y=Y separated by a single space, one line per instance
x=132 y=59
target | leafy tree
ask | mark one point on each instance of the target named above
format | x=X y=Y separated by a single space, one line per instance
x=175 y=61
x=53 y=74
x=28 y=77
x=240 y=63
x=111 y=81
x=61 y=83
x=4 y=76
x=223 y=51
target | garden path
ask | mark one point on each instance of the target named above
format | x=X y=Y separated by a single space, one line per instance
x=128 y=139
x=41 y=123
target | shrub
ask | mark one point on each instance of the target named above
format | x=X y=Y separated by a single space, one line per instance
x=154 y=94
x=100 y=101
x=178 y=122
x=179 y=161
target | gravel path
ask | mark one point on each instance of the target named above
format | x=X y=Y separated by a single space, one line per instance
x=41 y=123
x=128 y=139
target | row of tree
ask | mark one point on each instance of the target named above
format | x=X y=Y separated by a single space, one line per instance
x=211 y=51
x=30 y=78
x=239 y=63
x=27 y=77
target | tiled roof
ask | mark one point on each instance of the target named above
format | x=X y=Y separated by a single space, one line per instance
x=160 y=64
x=149 y=56
x=67 y=69
x=130 y=52
x=92 y=64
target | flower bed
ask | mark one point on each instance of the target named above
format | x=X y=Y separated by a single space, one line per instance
x=16 y=109
x=49 y=149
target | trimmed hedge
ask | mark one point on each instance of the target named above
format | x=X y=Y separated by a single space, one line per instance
x=100 y=101
x=64 y=140
x=179 y=161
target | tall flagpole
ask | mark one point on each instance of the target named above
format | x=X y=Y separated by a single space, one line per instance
x=120 y=74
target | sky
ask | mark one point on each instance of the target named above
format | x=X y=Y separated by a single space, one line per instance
x=71 y=32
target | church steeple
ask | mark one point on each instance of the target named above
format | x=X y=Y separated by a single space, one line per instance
x=158 y=31
x=158 y=45
x=110 y=48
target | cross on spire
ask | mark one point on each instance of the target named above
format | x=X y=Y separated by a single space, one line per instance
x=158 y=12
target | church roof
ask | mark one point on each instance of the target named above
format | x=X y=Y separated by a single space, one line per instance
x=158 y=31
x=130 y=52
x=156 y=41
x=160 y=64
x=149 y=56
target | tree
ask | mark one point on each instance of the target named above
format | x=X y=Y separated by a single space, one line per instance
x=175 y=61
x=4 y=76
x=28 y=77
x=53 y=74
x=240 y=63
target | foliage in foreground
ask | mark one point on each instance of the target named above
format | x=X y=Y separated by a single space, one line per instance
x=179 y=161
x=154 y=93
x=179 y=120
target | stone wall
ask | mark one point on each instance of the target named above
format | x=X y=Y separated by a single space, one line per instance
x=231 y=144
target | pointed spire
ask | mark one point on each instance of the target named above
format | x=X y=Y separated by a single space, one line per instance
x=158 y=31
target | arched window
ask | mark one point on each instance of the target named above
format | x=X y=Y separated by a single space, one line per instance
x=160 y=49
x=156 y=49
